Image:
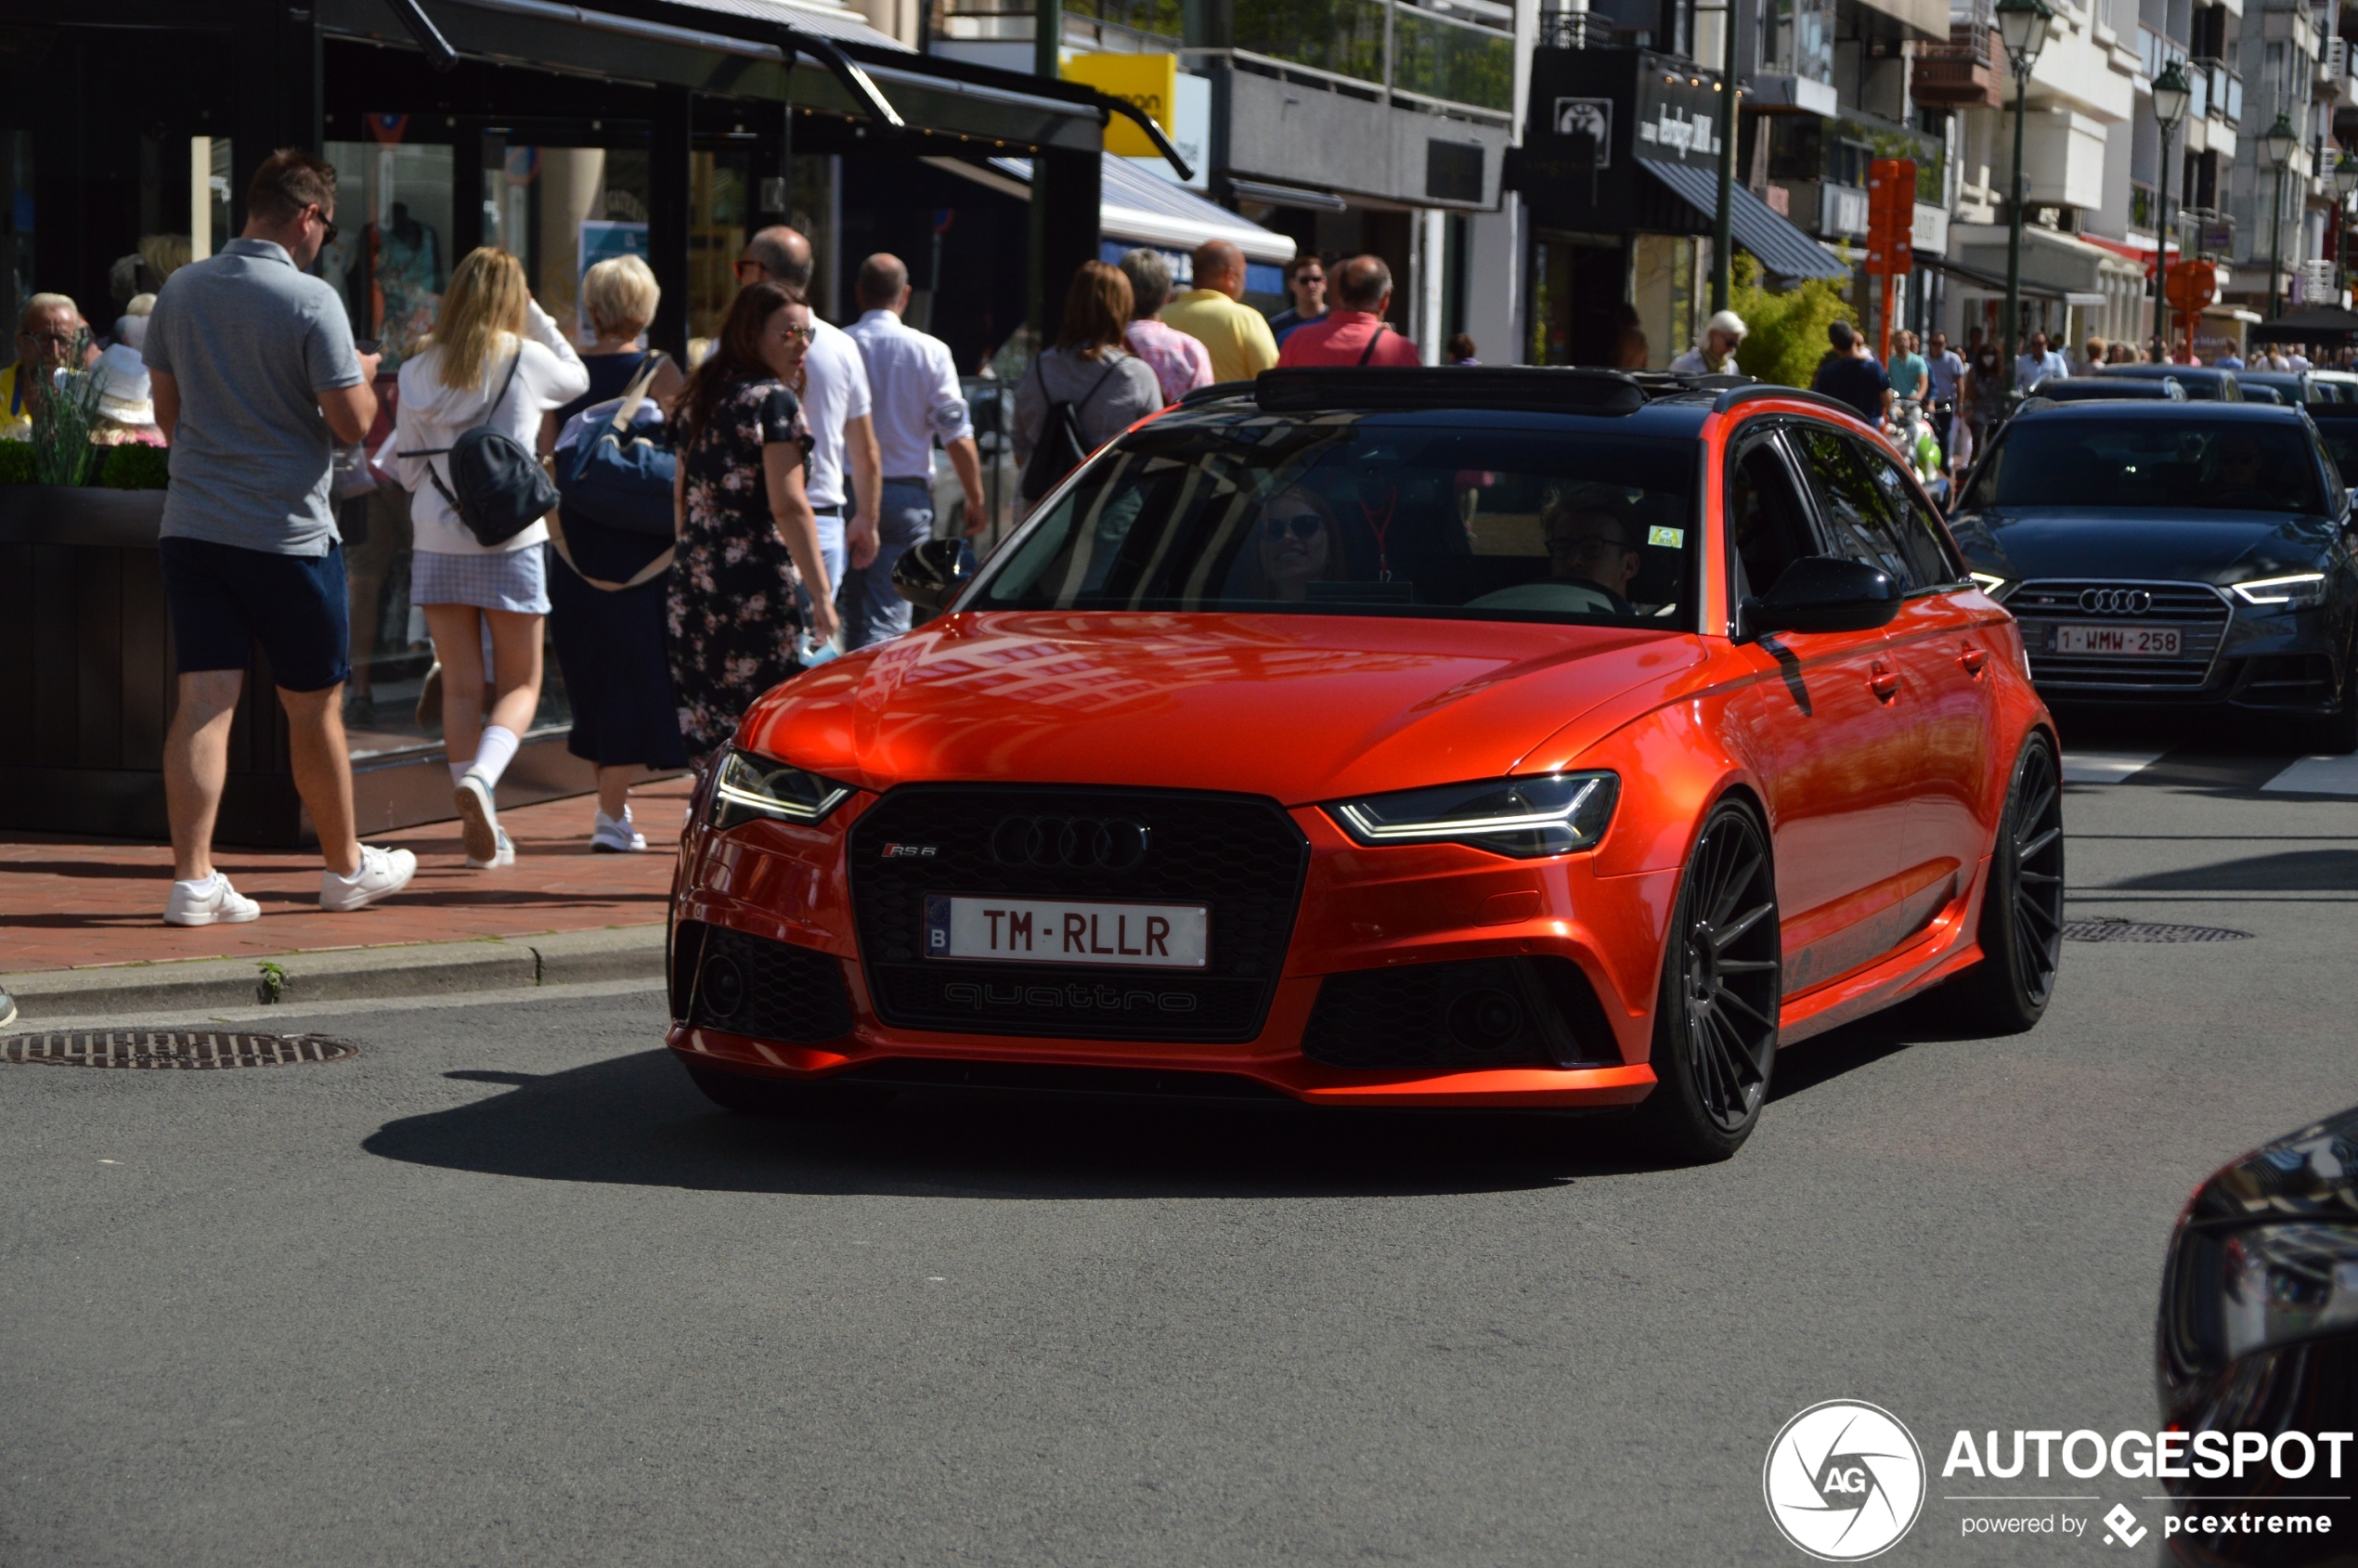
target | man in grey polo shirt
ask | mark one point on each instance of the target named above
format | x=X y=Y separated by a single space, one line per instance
x=256 y=381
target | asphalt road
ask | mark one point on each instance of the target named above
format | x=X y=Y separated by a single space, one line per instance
x=504 y=1288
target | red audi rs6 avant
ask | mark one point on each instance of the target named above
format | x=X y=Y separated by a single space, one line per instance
x=1464 y=737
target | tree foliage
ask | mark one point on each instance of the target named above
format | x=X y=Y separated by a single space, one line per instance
x=1786 y=332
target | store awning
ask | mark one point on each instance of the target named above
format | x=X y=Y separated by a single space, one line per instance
x=1145 y=210
x=1783 y=249
x=2319 y=324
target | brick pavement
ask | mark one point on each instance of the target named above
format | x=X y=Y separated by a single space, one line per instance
x=67 y=904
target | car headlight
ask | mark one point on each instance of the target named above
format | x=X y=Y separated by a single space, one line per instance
x=1989 y=583
x=1548 y=815
x=750 y=788
x=2300 y=590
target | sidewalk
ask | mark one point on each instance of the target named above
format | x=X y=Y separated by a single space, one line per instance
x=75 y=905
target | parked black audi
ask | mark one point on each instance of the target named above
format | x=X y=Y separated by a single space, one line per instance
x=2164 y=552
x=2259 y=1334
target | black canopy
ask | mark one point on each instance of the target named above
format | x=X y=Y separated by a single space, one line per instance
x=2322 y=323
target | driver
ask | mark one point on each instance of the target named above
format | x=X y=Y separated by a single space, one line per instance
x=2242 y=471
x=1593 y=550
x=1593 y=559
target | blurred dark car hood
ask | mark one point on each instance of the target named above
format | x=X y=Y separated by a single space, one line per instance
x=2081 y=542
x=2311 y=1174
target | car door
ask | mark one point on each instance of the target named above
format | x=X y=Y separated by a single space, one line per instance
x=1944 y=652
x=1817 y=725
x=1941 y=702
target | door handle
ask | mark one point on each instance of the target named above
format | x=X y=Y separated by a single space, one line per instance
x=1973 y=659
x=1883 y=682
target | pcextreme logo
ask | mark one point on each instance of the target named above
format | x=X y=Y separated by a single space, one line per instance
x=1844 y=1481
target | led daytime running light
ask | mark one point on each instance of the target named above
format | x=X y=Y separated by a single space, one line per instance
x=2300 y=587
x=1467 y=826
x=744 y=786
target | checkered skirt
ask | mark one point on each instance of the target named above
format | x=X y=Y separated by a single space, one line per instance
x=512 y=579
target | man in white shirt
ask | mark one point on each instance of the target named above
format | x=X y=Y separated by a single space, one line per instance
x=917 y=401
x=836 y=403
x=2041 y=362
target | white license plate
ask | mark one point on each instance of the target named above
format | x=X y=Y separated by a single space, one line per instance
x=1060 y=932
x=2130 y=641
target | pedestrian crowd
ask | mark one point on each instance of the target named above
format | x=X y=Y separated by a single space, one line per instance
x=778 y=480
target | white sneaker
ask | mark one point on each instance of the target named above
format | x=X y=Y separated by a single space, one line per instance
x=212 y=902
x=478 y=818
x=613 y=837
x=382 y=874
x=504 y=855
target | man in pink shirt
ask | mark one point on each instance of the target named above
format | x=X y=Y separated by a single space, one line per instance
x=1180 y=363
x=1355 y=332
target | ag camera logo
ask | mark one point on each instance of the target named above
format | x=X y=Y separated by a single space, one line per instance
x=1844 y=1481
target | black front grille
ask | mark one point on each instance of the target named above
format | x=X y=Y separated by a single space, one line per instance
x=2195 y=609
x=750 y=985
x=1474 y=1013
x=1240 y=856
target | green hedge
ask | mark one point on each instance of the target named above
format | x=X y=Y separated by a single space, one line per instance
x=122 y=468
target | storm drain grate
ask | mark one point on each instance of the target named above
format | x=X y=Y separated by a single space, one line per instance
x=172 y=1047
x=2118 y=928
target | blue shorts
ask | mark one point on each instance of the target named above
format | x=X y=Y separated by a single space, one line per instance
x=224 y=600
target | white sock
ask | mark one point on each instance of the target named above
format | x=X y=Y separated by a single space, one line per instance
x=495 y=751
x=458 y=770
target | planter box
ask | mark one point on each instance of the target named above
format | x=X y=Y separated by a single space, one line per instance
x=87 y=684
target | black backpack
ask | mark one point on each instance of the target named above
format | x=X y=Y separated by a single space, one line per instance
x=501 y=487
x=1060 y=449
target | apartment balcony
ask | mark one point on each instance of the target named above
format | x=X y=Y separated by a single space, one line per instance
x=1825 y=208
x=1965 y=73
x=2219 y=91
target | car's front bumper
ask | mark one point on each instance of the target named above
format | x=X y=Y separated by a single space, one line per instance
x=1360 y=911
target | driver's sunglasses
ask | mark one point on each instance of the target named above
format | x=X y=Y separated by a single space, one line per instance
x=1581 y=544
x=1303 y=525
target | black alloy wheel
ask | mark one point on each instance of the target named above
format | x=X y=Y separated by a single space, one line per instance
x=2022 y=909
x=1722 y=982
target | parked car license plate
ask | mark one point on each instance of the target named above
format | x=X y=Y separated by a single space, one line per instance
x=2132 y=641
x=1060 y=932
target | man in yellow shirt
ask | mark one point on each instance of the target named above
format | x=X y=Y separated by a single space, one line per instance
x=46 y=335
x=1214 y=313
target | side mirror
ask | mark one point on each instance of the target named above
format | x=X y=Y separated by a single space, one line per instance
x=929 y=576
x=1824 y=593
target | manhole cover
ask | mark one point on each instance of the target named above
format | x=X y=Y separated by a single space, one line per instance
x=2115 y=929
x=172 y=1047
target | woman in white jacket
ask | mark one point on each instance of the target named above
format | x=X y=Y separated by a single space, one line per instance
x=460 y=377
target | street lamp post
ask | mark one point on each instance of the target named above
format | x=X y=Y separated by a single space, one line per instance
x=2280 y=141
x=2023 y=25
x=2172 y=92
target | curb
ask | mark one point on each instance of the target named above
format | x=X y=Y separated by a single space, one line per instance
x=623 y=953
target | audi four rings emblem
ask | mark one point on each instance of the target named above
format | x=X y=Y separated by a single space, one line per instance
x=2115 y=601
x=1070 y=843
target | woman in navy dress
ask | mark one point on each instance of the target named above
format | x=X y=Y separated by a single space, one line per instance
x=611 y=645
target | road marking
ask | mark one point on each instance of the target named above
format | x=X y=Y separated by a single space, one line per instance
x=2106 y=767
x=2317 y=775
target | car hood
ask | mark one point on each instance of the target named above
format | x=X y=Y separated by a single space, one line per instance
x=2311 y=1174
x=2213 y=547
x=1300 y=707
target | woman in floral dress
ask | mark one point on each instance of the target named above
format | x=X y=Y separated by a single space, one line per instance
x=747 y=536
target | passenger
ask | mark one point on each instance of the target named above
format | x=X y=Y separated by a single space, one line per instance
x=1296 y=544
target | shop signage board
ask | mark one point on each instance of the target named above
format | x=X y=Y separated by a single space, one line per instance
x=1597 y=117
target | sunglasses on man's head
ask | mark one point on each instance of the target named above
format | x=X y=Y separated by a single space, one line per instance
x=1303 y=525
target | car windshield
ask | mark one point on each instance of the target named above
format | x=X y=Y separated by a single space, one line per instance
x=2341 y=440
x=2171 y=463
x=1378 y=514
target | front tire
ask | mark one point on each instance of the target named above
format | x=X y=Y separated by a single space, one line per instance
x=1715 y=1015
x=2022 y=909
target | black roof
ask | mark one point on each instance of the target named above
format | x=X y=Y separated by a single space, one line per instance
x=2104 y=389
x=2204 y=414
x=2183 y=372
x=1658 y=400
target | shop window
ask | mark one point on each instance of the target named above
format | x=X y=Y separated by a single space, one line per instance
x=561 y=210
x=1662 y=287
x=392 y=256
x=726 y=205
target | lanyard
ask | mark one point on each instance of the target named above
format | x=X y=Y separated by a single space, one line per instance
x=1383 y=559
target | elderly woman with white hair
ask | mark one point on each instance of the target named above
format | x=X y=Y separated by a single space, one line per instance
x=610 y=640
x=1715 y=354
